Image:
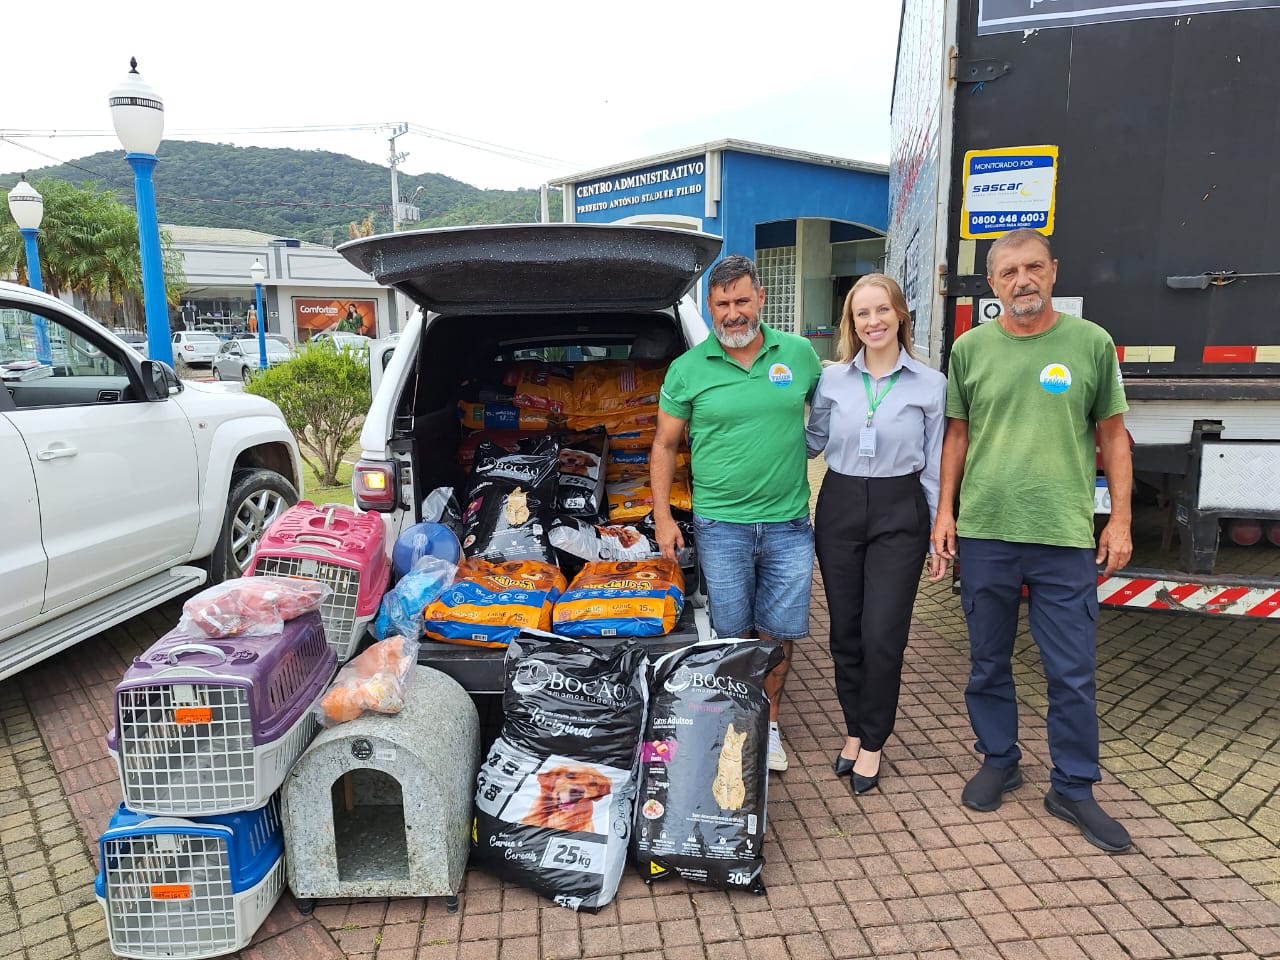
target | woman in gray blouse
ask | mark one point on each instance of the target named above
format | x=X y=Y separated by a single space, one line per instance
x=878 y=418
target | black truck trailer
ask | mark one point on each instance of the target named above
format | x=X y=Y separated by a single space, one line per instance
x=1143 y=140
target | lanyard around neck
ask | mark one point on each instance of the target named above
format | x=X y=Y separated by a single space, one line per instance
x=873 y=400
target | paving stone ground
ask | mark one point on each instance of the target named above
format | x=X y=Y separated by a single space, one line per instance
x=1191 y=736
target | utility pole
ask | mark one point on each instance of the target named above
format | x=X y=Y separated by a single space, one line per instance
x=398 y=130
x=395 y=160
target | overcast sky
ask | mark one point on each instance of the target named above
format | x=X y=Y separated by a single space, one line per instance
x=577 y=85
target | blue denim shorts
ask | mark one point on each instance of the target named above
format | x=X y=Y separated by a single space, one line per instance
x=757 y=576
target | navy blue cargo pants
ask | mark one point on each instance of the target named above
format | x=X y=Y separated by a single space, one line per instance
x=1062 y=607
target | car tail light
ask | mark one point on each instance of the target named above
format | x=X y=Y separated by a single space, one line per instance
x=374 y=484
x=187 y=346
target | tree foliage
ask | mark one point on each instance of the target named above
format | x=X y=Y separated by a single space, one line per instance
x=323 y=394
x=88 y=245
x=309 y=194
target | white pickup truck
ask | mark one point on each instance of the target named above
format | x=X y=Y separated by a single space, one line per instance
x=121 y=486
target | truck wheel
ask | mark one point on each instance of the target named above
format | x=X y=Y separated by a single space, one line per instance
x=256 y=498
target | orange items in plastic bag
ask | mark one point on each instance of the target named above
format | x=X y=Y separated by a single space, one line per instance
x=374 y=681
x=490 y=603
x=622 y=599
x=250 y=606
x=615 y=386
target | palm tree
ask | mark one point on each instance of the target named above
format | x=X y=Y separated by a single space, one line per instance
x=89 y=248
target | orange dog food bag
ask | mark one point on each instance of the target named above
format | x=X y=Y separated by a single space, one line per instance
x=488 y=604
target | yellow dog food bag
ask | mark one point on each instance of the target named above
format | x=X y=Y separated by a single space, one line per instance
x=628 y=598
x=615 y=386
x=633 y=499
x=490 y=603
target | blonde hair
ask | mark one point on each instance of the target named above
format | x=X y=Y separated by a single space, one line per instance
x=850 y=343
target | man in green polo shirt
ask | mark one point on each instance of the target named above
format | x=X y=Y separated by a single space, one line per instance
x=741 y=395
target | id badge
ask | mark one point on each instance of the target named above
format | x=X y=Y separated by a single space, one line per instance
x=867 y=442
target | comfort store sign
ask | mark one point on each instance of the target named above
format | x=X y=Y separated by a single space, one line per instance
x=682 y=178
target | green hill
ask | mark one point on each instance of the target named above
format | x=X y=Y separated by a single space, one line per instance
x=309 y=194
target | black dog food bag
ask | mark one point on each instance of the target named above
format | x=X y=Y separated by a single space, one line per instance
x=703 y=780
x=555 y=797
x=511 y=502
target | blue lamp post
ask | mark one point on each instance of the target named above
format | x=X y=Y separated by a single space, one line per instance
x=259 y=273
x=137 y=112
x=27 y=207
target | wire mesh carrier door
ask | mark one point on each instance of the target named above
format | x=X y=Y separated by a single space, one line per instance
x=213 y=727
x=189 y=888
x=336 y=545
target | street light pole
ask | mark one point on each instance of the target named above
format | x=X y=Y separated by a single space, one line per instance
x=27 y=208
x=137 y=112
x=259 y=273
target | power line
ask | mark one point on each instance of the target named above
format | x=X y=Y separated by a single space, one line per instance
x=486 y=146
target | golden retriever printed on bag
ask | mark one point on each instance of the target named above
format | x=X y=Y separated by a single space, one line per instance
x=566 y=798
x=728 y=788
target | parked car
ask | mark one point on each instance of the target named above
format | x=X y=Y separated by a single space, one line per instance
x=492 y=295
x=122 y=486
x=342 y=341
x=238 y=358
x=136 y=340
x=194 y=347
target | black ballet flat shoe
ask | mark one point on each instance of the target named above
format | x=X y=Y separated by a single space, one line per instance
x=860 y=784
x=842 y=766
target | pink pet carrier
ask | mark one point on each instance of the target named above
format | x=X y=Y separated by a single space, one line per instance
x=213 y=726
x=338 y=546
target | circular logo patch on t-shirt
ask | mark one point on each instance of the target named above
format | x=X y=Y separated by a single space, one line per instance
x=780 y=375
x=1055 y=378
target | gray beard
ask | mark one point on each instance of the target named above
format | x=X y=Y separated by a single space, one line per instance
x=1030 y=310
x=735 y=341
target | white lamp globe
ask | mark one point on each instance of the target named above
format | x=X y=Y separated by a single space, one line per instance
x=137 y=112
x=258 y=272
x=26 y=205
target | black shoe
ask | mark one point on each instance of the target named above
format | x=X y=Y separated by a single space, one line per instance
x=860 y=784
x=1100 y=829
x=842 y=766
x=984 y=790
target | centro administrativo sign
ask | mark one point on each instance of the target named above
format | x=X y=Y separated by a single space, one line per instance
x=679 y=179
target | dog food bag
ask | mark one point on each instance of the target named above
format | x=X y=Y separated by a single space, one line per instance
x=508 y=440
x=510 y=502
x=488 y=604
x=633 y=499
x=540 y=386
x=615 y=386
x=631 y=598
x=703 y=780
x=581 y=490
x=505 y=416
x=587 y=541
x=631 y=430
x=555 y=796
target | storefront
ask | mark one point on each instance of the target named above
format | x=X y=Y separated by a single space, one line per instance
x=813 y=223
x=308 y=287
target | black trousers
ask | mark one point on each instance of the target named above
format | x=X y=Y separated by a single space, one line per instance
x=871 y=535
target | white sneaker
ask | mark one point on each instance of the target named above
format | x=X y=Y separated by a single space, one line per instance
x=777 y=757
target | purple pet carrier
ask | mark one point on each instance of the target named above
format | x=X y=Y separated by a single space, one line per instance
x=213 y=726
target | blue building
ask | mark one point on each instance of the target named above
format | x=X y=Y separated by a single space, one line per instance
x=813 y=223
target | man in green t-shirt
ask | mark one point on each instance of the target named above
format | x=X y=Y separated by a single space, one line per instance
x=741 y=395
x=1028 y=395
